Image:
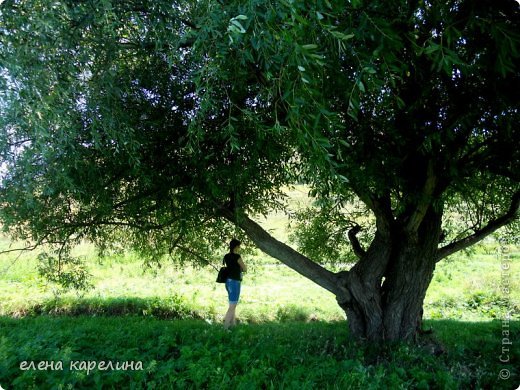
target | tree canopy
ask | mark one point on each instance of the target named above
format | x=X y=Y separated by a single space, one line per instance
x=166 y=125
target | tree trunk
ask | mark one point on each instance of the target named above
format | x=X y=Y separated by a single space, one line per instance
x=364 y=307
x=383 y=293
x=404 y=290
x=388 y=285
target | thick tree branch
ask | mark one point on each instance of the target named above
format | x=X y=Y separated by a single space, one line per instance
x=284 y=253
x=425 y=200
x=356 y=246
x=383 y=213
x=493 y=225
x=380 y=206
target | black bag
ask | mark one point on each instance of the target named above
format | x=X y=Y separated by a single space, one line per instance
x=222 y=274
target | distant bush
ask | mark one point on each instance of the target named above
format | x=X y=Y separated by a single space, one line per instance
x=173 y=307
x=292 y=313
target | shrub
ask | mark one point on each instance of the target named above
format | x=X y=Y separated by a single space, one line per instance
x=292 y=313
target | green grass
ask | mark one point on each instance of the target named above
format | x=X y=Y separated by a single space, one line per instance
x=464 y=288
x=170 y=320
x=472 y=287
x=195 y=354
x=122 y=278
x=291 y=334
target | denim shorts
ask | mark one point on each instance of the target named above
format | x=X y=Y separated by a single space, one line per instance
x=233 y=289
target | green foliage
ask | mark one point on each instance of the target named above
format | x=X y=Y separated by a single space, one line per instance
x=321 y=230
x=193 y=354
x=277 y=344
x=291 y=313
x=106 y=154
x=173 y=307
x=65 y=271
x=464 y=288
x=137 y=124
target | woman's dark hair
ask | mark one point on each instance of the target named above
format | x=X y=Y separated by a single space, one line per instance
x=233 y=244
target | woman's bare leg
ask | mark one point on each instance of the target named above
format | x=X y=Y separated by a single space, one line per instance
x=229 y=319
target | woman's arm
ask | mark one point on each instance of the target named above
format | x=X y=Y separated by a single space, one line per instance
x=242 y=265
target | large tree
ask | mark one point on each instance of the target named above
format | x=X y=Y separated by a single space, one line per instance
x=165 y=126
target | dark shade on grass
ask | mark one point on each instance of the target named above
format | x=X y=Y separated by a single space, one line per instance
x=195 y=354
x=173 y=307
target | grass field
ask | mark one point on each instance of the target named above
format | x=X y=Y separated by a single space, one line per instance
x=292 y=334
x=464 y=287
x=194 y=354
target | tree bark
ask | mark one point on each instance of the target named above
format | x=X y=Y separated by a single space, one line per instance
x=388 y=285
x=383 y=294
x=284 y=253
x=404 y=290
x=364 y=308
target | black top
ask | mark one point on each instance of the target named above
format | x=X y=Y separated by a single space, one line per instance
x=234 y=270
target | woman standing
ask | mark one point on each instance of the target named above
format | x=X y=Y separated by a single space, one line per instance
x=235 y=267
